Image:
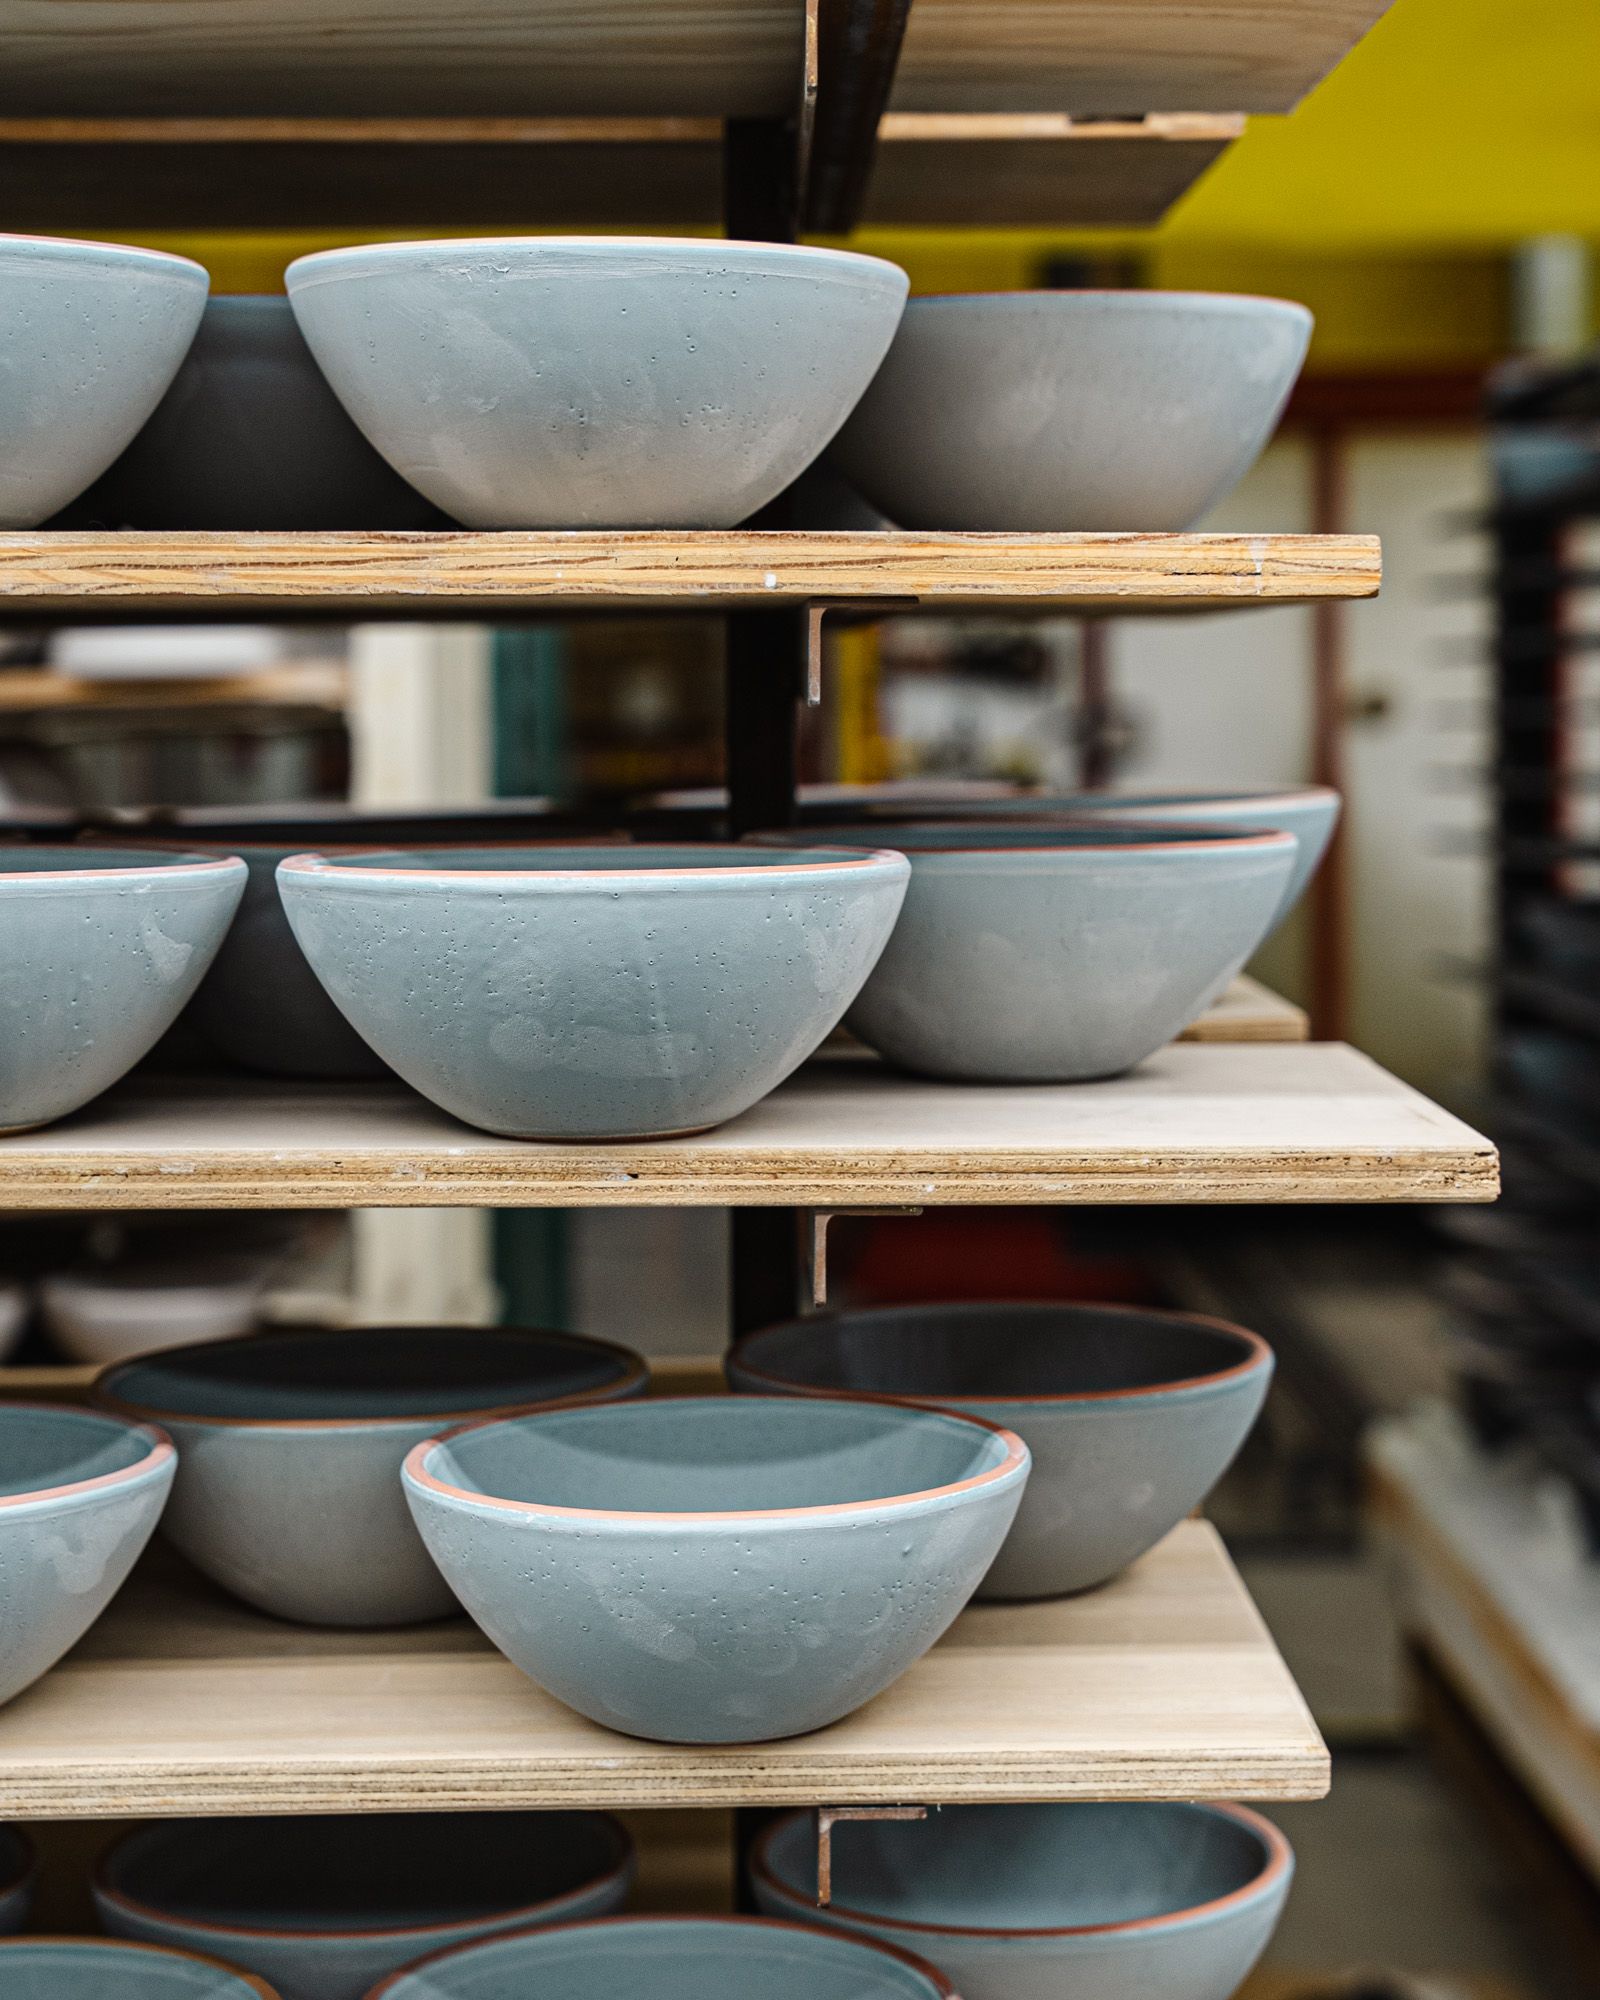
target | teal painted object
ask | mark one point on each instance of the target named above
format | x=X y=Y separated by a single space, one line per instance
x=671 y=1958
x=63 y=1968
x=80 y=1494
x=322 y=1908
x=594 y=993
x=1058 y=411
x=90 y=336
x=597 y=382
x=718 y=1569
x=1309 y=812
x=103 y=947
x=1036 y=1902
x=1131 y=1415
x=1046 y=951
x=288 y=1489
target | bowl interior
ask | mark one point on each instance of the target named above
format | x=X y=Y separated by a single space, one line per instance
x=587 y=860
x=1010 y=1351
x=716 y=1455
x=665 y=1958
x=384 y=1871
x=89 y=1969
x=94 y=860
x=42 y=1448
x=368 y=1372
x=1027 y=1867
x=16 y=1859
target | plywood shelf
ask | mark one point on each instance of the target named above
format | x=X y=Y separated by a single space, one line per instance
x=1249 y=1012
x=1196 y=1123
x=62 y=574
x=678 y=58
x=945 y=168
x=1164 y=1685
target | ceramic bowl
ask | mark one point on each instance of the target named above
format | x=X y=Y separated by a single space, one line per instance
x=288 y=1490
x=597 y=382
x=80 y=1493
x=101 y=1316
x=323 y=1908
x=90 y=336
x=103 y=947
x=1131 y=1415
x=717 y=1569
x=594 y=993
x=1034 y=1902
x=16 y=1302
x=1058 y=411
x=671 y=1958
x=250 y=436
x=261 y=1004
x=1053 y=951
x=70 y=1968
x=18 y=1870
x=1309 y=812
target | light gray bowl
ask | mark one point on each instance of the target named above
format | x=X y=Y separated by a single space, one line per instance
x=79 y=1496
x=323 y=1908
x=594 y=993
x=103 y=946
x=1053 y=951
x=250 y=436
x=68 y=1968
x=1059 y=411
x=597 y=382
x=1309 y=812
x=671 y=1958
x=717 y=1569
x=18 y=1871
x=1131 y=1415
x=90 y=336
x=288 y=1489
x=1035 y=1902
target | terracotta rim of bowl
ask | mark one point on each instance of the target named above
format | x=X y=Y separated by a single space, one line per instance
x=97 y=243
x=171 y=859
x=836 y=860
x=706 y=246
x=1279 y=1858
x=1016 y=1456
x=1216 y=838
x=1259 y=1353
x=161 y=1449
x=104 y=1396
x=931 y=1973
x=252 y=1981
x=1123 y=294
x=620 y=1871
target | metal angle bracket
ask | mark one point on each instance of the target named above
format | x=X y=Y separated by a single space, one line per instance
x=828 y=1817
x=819 y=1219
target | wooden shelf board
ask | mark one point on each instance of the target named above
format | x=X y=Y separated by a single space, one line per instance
x=336 y=173
x=1511 y=1618
x=1196 y=1123
x=1249 y=1012
x=680 y=58
x=1164 y=1685
x=61 y=573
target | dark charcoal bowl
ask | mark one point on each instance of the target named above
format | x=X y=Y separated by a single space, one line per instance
x=250 y=436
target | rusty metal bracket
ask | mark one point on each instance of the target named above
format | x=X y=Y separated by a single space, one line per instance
x=820 y=1218
x=813 y=682
x=828 y=1817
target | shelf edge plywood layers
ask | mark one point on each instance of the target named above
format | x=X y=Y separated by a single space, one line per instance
x=1195 y=1123
x=724 y=58
x=1164 y=1685
x=49 y=574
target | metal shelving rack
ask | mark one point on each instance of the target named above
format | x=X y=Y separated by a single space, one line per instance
x=1163 y=1685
